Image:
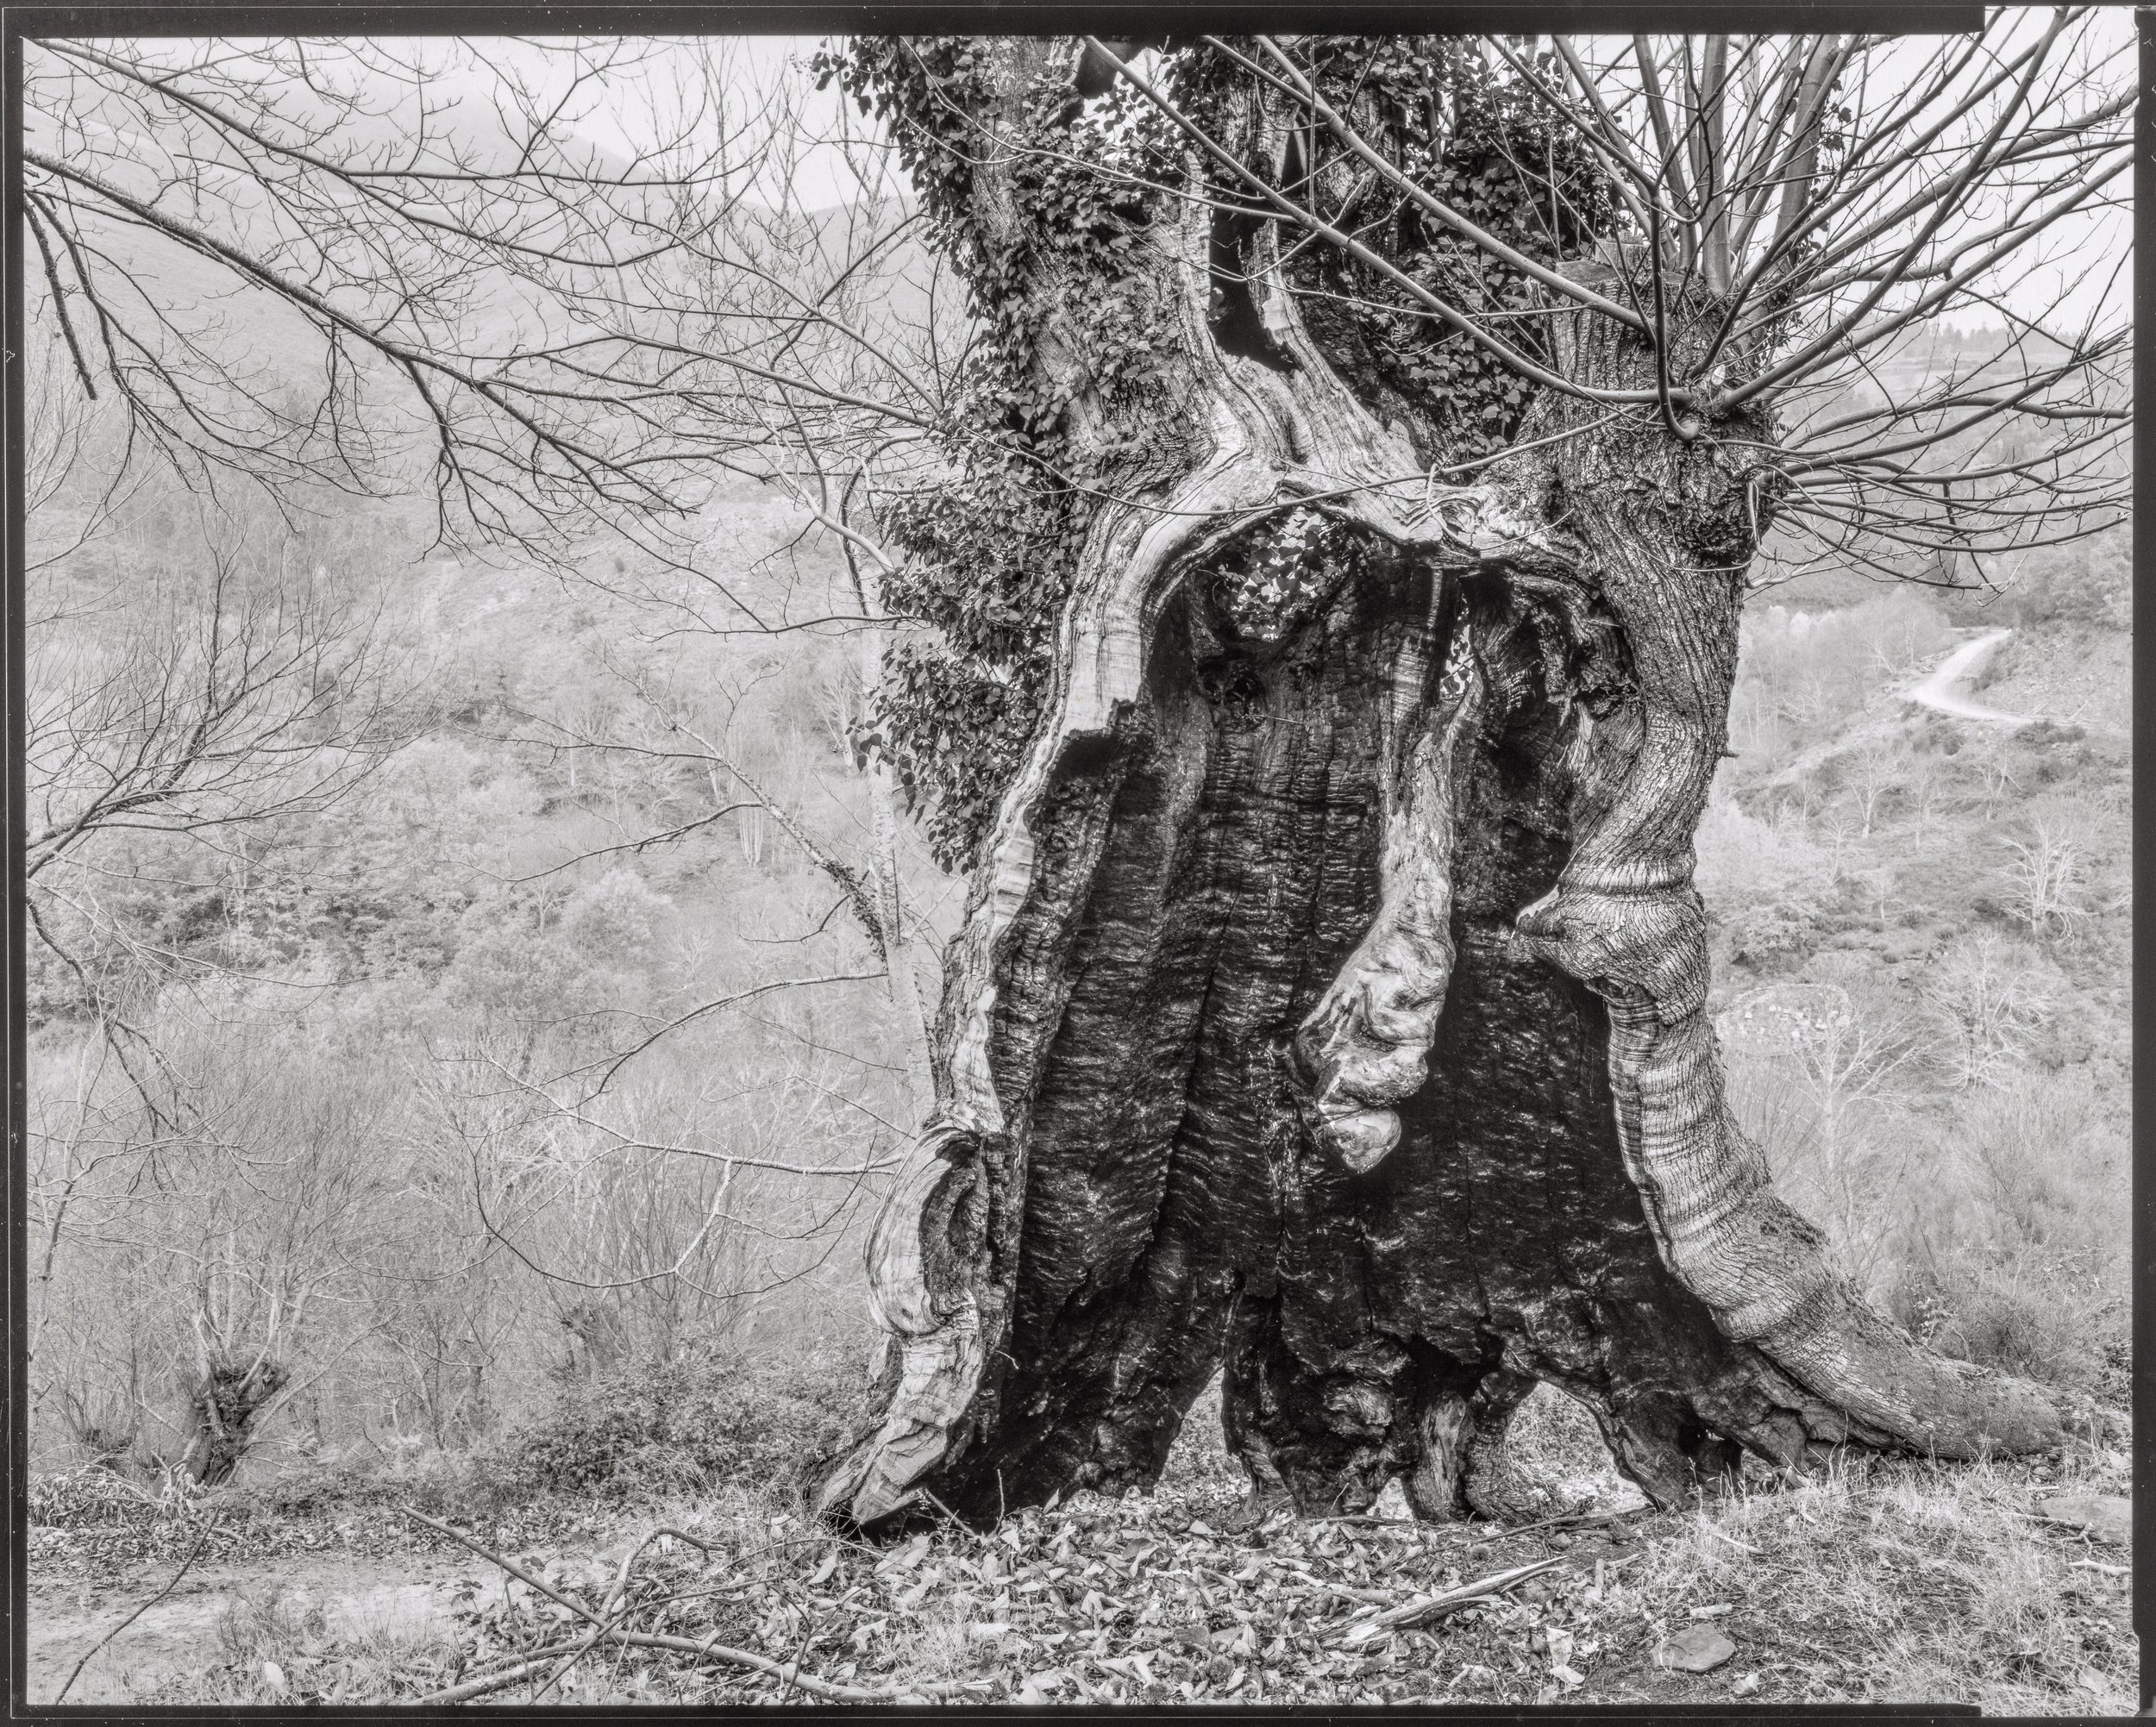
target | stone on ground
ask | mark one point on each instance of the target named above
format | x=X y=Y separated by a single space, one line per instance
x=2105 y=1516
x=1697 y=1648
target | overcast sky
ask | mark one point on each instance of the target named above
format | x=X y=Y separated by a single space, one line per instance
x=631 y=111
x=2088 y=255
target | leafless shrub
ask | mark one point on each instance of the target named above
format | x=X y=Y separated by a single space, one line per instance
x=1986 y=1003
x=2048 y=876
x=1814 y=1077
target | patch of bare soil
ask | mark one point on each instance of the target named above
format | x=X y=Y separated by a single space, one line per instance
x=182 y=1638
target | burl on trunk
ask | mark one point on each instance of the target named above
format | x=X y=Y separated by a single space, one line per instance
x=1331 y=1008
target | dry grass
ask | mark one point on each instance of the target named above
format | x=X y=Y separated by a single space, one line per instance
x=278 y=1645
x=1894 y=1580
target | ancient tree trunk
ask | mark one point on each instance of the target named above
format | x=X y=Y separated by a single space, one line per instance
x=1331 y=1003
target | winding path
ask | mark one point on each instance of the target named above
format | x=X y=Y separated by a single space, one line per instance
x=1945 y=689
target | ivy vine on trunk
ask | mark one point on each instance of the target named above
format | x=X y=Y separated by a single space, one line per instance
x=1324 y=632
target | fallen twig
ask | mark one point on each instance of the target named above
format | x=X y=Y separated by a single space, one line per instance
x=480 y=1687
x=614 y=1598
x=1425 y=1608
x=1369 y=1520
x=193 y=1553
x=713 y=1650
x=1351 y=1592
x=1570 y=1520
x=583 y=1648
x=957 y=1522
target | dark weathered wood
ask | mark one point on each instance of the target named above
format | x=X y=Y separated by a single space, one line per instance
x=225 y=1394
x=1330 y=1006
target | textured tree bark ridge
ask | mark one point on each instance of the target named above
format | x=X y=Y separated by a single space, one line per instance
x=1332 y=1006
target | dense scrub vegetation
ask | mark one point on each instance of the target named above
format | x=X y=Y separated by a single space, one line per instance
x=1921 y=955
x=353 y=1065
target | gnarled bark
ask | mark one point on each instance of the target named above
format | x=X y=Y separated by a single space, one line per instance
x=1331 y=1003
x=224 y=1398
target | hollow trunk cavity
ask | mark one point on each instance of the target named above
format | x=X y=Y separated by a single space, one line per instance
x=1331 y=1008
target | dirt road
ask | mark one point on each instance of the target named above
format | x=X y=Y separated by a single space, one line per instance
x=391 y=1593
x=1945 y=689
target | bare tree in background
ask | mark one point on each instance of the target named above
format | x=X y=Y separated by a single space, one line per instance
x=196 y=1279
x=291 y=270
x=560 y=343
x=225 y=701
